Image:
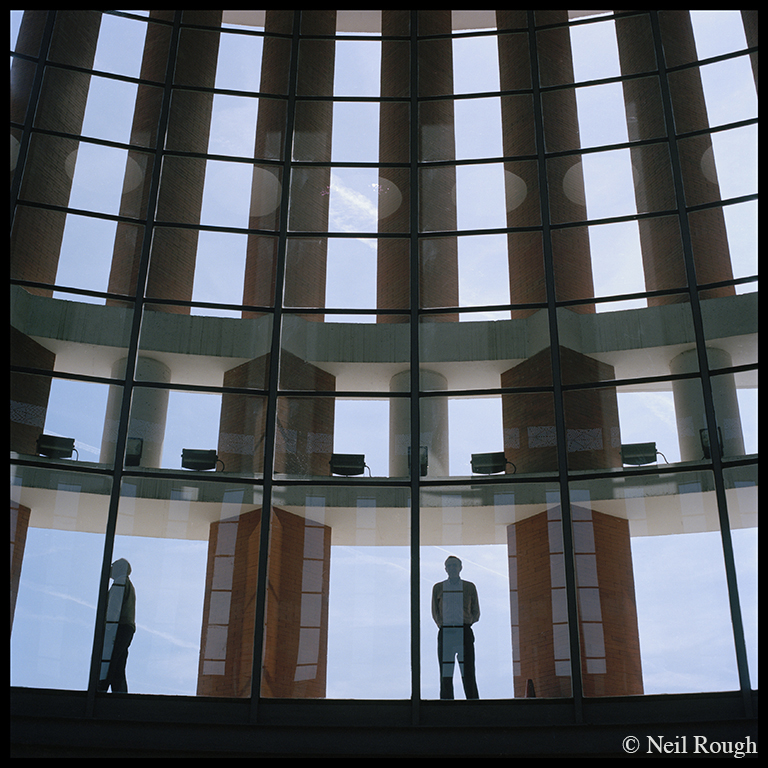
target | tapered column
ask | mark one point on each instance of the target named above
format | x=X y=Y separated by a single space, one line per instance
x=50 y=163
x=174 y=251
x=592 y=417
x=295 y=650
x=660 y=238
x=304 y=429
x=393 y=283
x=608 y=633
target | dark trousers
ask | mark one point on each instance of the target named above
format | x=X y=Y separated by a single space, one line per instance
x=453 y=642
x=116 y=673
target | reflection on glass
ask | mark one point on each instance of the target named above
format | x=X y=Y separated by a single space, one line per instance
x=509 y=542
x=671 y=576
x=337 y=622
x=58 y=521
x=61 y=409
x=455 y=608
x=741 y=490
x=188 y=543
x=120 y=627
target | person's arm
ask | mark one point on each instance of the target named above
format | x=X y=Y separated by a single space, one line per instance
x=437 y=613
x=474 y=604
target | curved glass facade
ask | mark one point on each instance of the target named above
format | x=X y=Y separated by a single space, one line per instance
x=262 y=260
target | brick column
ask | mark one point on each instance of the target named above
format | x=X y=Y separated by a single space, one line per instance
x=660 y=240
x=174 y=251
x=304 y=436
x=393 y=277
x=261 y=250
x=47 y=176
x=19 y=525
x=592 y=417
x=29 y=393
x=438 y=258
x=295 y=650
x=610 y=648
x=607 y=614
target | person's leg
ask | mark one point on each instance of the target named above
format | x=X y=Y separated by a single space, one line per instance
x=445 y=660
x=468 y=667
x=116 y=675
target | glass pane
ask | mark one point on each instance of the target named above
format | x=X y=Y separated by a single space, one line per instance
x=656 y=619
x=121 y=44
x=480 y=352
x=509 y=544
x=90 y=177
x=239 y=62
x=206 y=349
x=58 y=520
x=62 y=419
x=741 y=491
x=187 y=544
x=357 y=66
x=337 y=623
x=326 y=436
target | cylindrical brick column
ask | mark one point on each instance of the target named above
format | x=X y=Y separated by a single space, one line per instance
x=393 y=277
x=266 y=187
x=305 y=274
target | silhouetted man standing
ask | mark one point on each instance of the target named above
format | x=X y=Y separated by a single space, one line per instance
x=455 y=608
x=119 y=629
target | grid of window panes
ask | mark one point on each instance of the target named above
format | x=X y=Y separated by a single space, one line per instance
x=529 y=235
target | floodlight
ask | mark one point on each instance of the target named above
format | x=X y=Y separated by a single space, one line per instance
x=198 y=459
x=347 y=464
x=489 y=463
x=55 y=447
x=638 y=453
x=423 y=460
x=706 y=445
x=133 y=450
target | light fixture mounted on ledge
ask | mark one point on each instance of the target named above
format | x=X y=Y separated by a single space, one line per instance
x=55 y=447
x=423 y=460
x=706 y=443
x=490 y=463
x=134 y=447
x=199 y=460
x=348 y=464
x=638 y=454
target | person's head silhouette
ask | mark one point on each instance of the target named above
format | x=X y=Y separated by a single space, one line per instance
x=120 y=569
x=453 y=567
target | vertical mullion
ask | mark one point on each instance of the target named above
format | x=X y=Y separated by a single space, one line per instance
x=414 y=379
x=272 y=387
x=706 y=382
x=130 y=366
x=560 y=427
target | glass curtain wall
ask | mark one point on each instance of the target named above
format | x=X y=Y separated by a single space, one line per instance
x=401 y=354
